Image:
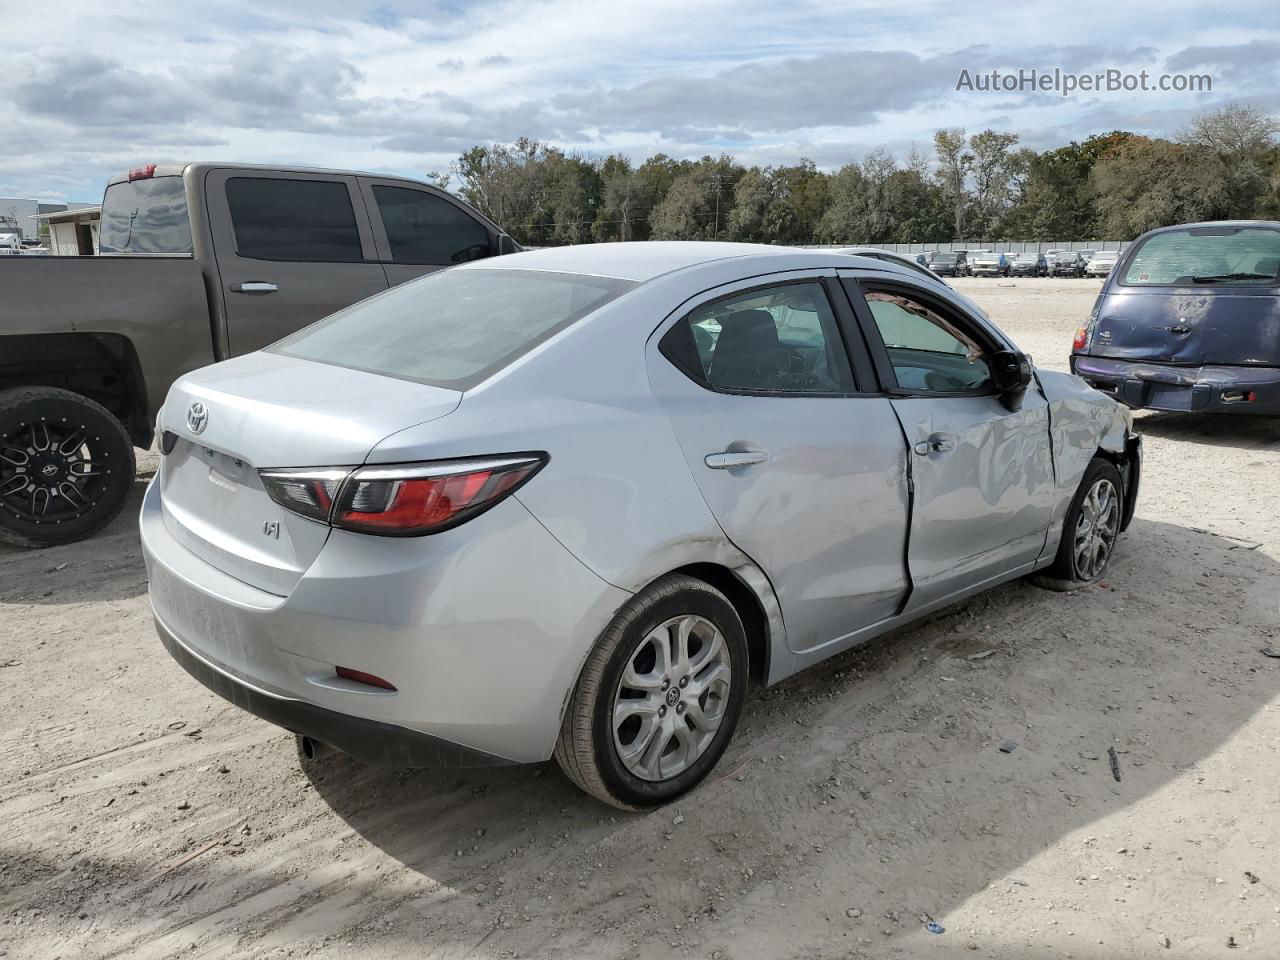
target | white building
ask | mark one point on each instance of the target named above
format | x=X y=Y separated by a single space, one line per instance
x=72 y=233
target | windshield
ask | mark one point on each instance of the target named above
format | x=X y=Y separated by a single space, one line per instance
x=944 y=258
x=145 y=216
x=1028 y=257
x=453 y=328
x=1195 y=255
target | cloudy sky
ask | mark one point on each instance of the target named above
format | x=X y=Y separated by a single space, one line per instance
x=90 y=87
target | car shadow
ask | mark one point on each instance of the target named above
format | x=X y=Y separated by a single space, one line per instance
x=880 y=772
x=107 y=566
x=1242 y=432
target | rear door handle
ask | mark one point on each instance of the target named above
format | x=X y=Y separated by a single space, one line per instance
x=256 y=288
x=937 y=443
x=729 y=459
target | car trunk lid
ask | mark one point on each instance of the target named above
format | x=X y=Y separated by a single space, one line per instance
x=226 y=422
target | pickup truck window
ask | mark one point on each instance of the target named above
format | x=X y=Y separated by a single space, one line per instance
x=145 y=216
x=452 y=328
x=278 y=219
x=422 y=228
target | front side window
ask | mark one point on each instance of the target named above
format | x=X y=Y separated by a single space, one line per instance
x=279 y=219
x=928 y=352
x=1206 y=255
x=452 y=328
x=781 y=339
x=424 y=228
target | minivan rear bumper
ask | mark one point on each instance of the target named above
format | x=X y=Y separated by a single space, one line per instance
x=1143 y=384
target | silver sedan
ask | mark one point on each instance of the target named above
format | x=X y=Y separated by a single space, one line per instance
x=574 y=502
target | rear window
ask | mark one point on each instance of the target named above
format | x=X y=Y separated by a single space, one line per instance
x=145 y=216
x=1206 y=255
x=453 y=328
x=279 y=219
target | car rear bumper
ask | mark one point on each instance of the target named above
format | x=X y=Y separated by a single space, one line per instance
x=1208 y=389
x=482 y=630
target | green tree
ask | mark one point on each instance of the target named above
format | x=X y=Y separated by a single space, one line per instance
x=954 y=164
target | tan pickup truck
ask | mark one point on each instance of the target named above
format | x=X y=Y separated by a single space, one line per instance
x=200 y=262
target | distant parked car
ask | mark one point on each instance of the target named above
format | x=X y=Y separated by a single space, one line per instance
x=1189 y=319
x=971 y=256
x=577 y=502
x=949 y=264
x=1086 y=256
x=10 y=244
x=1066 y=263
x=929 y=257
x=1028 y=265
x=989 y=264
x=1101 y=263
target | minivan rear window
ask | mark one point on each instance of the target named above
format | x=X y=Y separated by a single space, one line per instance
x=145 y=216
x=453 y=328
x=1195 y=256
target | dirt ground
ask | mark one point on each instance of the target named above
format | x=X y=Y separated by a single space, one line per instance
x=140 y=816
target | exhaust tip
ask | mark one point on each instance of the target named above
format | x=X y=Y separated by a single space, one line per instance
x=313 y=749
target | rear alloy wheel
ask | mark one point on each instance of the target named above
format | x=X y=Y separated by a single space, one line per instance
x=1090 y=530
x=66 y=466
x=659 y=696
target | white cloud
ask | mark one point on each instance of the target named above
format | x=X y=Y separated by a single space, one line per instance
x=90 y=88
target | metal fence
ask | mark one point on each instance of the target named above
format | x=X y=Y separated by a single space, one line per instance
x=1001 y=246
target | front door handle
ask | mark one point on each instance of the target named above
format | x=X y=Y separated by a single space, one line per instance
x=255 y=288
x=729 y=459
x=937 y=443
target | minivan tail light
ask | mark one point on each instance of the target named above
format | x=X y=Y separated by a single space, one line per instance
x=415 y=499
x=308 y=492
x=1082 y=337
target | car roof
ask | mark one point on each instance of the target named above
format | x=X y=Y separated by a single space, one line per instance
x=644 y=260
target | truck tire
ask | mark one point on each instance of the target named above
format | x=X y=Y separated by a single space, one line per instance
x=66 y=466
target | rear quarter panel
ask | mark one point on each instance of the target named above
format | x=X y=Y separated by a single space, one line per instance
x=158 y=303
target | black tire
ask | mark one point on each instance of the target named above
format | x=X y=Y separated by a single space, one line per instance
x=1066 y=573
x=586 y=749
x=75 y=458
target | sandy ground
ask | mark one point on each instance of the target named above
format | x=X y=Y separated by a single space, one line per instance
x=140 y=816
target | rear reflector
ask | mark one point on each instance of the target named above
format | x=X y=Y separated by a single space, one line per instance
x=359 y=676
x=142 y=173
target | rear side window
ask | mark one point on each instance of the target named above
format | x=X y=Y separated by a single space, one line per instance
x=781 y=339
x=453 y=328
x=1206 y=255
x=424 y=228
x=145 y=216
x=279 y=219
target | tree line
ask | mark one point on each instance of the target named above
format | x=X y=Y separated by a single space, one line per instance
x=1224 y=165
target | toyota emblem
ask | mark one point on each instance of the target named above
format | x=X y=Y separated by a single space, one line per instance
x=197 y=417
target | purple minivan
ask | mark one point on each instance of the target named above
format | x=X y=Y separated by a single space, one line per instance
x=1189 y=320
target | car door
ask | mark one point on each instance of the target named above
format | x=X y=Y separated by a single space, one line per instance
x=419 y=230
x=982 y=474
x=291 y=248
x=803 y=472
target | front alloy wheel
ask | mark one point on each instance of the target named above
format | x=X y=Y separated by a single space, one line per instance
x=658 y=697
x=1089 y=531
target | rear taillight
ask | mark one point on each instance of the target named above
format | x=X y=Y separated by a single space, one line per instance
x=308 y=492
x=1082 y=337
x=402 y=500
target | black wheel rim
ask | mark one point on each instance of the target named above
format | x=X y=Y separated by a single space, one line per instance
x=51 y=472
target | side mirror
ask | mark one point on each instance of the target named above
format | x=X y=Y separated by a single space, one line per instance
x=1011 y=375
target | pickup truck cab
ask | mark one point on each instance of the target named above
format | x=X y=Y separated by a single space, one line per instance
x=199 y=262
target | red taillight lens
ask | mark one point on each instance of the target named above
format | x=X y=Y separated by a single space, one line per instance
x=359 y=676
x=308 y=492
x=417 y=499
x=142 y=173
x=1082 y=337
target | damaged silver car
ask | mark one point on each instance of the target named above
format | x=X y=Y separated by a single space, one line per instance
x=573 y=502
